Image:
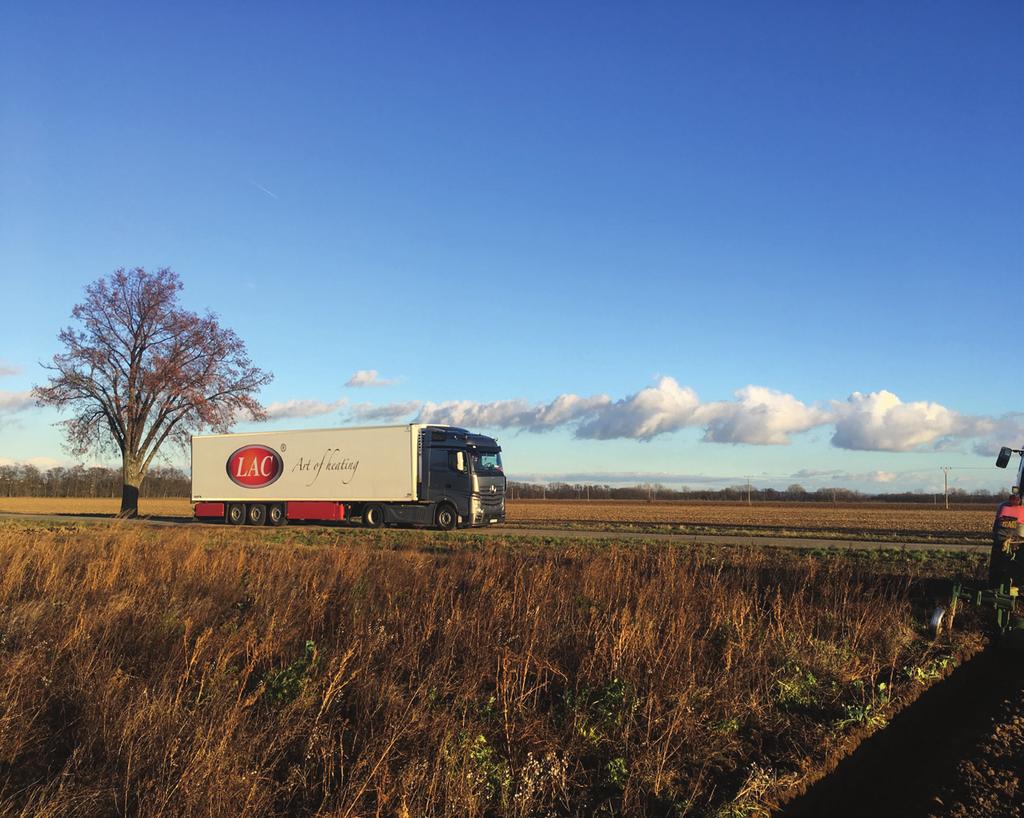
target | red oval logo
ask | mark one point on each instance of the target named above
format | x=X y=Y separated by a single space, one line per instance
x=254 y=467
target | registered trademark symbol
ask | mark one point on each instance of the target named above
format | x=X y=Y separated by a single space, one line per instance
x=284 y=447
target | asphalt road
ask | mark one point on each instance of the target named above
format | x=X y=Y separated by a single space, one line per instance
x=565 y=534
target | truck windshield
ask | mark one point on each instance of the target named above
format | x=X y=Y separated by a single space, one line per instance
x=487 y=463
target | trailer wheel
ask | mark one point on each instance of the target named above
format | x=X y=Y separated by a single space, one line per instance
x=256 y=514
x=276 y=515
x=373 y=516
x=446 y=518
x=236 y=514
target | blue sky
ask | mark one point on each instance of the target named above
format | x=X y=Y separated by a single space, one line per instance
x=517 y=202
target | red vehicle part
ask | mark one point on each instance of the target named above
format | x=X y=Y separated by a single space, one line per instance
x=1006 y=510
x=325 y=510
x=315 y=510
x=210 y=510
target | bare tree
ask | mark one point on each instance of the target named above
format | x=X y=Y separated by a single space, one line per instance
x=141 y=371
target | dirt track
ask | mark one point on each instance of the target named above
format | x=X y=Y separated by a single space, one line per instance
x=570 y=534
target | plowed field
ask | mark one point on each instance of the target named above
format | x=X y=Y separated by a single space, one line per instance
x=810 y=516
x=845 y=519
x=955 y=752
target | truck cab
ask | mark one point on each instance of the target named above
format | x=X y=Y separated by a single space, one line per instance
x=463 y=472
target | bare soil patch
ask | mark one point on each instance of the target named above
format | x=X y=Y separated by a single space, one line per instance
x=989 y=778
x=956 y=751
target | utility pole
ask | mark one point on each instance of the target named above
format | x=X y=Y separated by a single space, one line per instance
x=748 y=491
x=945 y=484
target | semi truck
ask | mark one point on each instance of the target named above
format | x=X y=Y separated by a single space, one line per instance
x=414 y=474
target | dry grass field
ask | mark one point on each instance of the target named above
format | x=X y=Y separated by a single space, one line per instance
x=159 y=507
x=274 y=672
x=810 y=517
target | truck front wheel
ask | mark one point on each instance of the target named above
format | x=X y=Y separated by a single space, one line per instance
x=446 y=517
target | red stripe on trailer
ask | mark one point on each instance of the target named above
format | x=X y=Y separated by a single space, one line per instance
x=315 y=510
x=209 y=509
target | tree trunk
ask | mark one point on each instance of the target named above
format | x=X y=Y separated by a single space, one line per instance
x=130 y=481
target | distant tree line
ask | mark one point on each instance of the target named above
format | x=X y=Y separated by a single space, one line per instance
x=739 y=492
x=95 y=481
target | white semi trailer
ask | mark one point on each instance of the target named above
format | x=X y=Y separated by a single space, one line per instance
x=414 y=474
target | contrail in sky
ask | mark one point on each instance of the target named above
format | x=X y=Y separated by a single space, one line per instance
x=270 y=193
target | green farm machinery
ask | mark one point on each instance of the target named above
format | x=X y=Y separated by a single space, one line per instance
x=1002 y=600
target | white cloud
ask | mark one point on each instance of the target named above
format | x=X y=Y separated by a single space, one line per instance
x=369 y=377
x=628 y=478
x=995 y=432
x=655 y=410
x=841 y=477
x=299 y=408
x=502 y=413
x=567 y=409
x=41 y=462
x=387 y=411
x=6 y=369
x=759 y=415
x=811 y=479
x=515 y=413
x=11 y=402
x=880 y=421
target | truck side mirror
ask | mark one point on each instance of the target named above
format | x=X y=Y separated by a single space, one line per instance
x=457 y=460
x=1004 y=457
